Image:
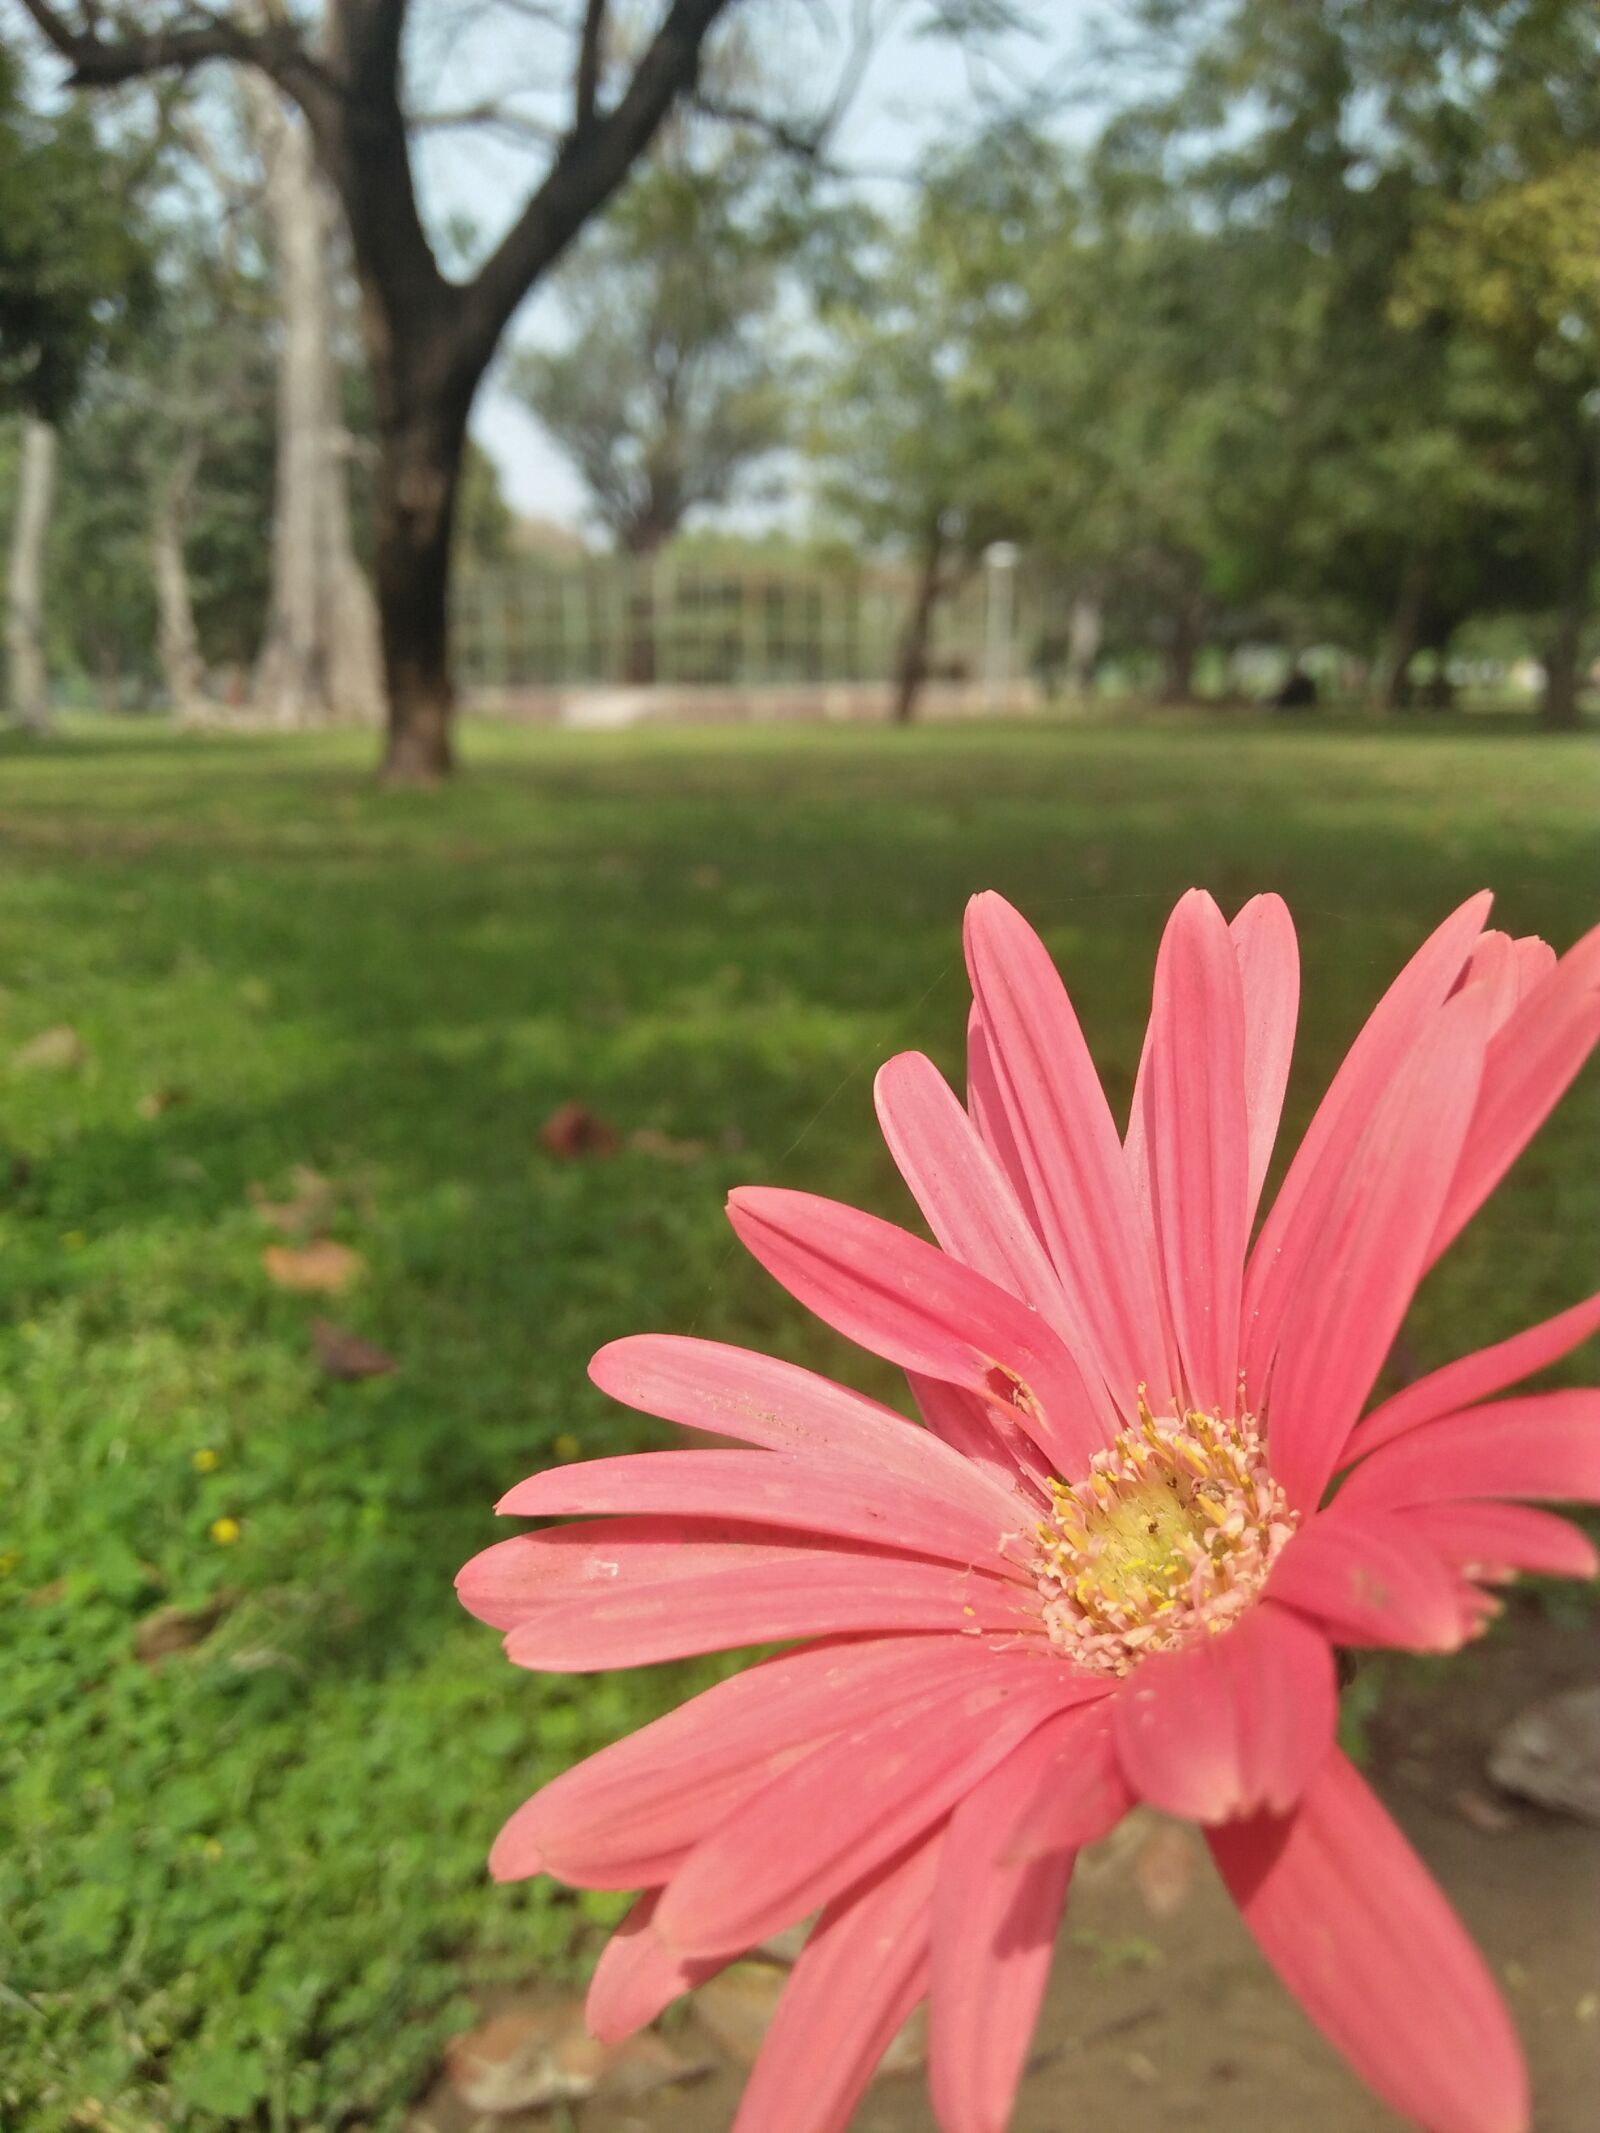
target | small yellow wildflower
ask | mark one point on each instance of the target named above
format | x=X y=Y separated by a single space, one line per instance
x=225 y=1531
x=205 y=1460
x=9 y=1559
x=566 y=1446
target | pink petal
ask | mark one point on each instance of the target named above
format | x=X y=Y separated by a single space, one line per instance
x=1544 y=1444
x=1353 y=1924
x=1291 y=1232
x=1488 y=1539
x=1475 y=1377
x=1374 y=1222
x=1495 y=965
x=1233 y=1722
x=1365 y=1580
x=732 y=1392
x=988 y=1114
x=772 y=1489
x=1069 y=1150
x=658 y=1791
x=1529 y=1065
x=1269 y=971
x=853 y=1802
x=994 y=1931
x=986 y=1434
x=1190 y=1137
x=629 y=1591
x=960 y=1187
x=914 y=1304
x=1535 y=960
x=1081 y=1794
x=861 y=1972
x=637 y=1976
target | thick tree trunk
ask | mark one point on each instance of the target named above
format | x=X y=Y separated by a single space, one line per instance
x=1085 y=632
x=1405 y=635
x=1563 y=682
x=319 y=658
x=1180 y=652
x=913 y=662
x=28 y=673
x=419 y=469
x=178 y=641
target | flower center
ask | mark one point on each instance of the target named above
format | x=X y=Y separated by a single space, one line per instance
x=1171 y=1533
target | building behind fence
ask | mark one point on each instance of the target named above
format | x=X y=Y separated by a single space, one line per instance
x=547 y=626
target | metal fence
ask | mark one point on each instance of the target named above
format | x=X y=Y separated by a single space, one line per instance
x=555 y=623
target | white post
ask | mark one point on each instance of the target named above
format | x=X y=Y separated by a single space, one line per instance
x=1000 y=564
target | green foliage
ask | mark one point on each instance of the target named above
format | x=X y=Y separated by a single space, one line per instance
x=247 y=1887
x=669 y=387
x=75 y=267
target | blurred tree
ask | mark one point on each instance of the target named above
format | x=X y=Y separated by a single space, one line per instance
x=669 y=385
x=428 y=338
x=74 y=265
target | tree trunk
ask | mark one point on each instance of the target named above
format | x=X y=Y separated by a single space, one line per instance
x=320 y=655
x=29 y=677
x=1405 y=635
x=1179 y=655
x=419 y=468
x=1563 y=683
x=178 y=641
x=1085 y=631
x=913 y=663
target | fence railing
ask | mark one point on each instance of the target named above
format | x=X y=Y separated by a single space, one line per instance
x=543 y=624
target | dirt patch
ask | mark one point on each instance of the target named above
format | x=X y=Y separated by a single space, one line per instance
x=1161 y=2012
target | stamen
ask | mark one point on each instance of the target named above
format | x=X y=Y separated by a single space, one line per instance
x=1169 y=1536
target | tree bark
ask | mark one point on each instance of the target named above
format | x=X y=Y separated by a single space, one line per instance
x=178 y=641
x=1085 y=631
x=912 y=668
x=1563 y=673
x=29 y=678
x=319 y=659
x=1405 y=635
x=419 y=465
x=1179 y=655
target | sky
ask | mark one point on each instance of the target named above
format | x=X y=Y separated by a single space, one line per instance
x=914 y=90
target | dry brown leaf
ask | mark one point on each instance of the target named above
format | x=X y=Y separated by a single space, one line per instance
x=58 y=1049
x=648 y=1140
x=527 y=2058
x=1163 y=1872
x=155 y=1101
x=178 y=1629
x=343 y=1354
x=308 y=1209
x=573 y=1130
x=320 y=1269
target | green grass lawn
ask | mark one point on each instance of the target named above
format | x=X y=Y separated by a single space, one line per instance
x=246 y=1885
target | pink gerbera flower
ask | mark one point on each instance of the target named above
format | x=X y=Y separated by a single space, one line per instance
x=1116 y=1563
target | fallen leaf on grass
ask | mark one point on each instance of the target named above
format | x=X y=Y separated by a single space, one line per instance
x=343 y=1354
x=572 y=1130
x=178 y=1629
x=308 y=1209
x=648 y=1140
x=58 y=1049
x=528 y=2058
x=320 y=1269
x=155 y=1101
x=1163 y=1872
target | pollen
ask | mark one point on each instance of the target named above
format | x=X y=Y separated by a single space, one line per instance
x=1169 y=1536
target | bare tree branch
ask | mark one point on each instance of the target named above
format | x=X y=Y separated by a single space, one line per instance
x=99 y=62
x=590 y=51
x=591 y=165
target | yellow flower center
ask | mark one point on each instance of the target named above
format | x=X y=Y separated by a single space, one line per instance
x=1169 y=1535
